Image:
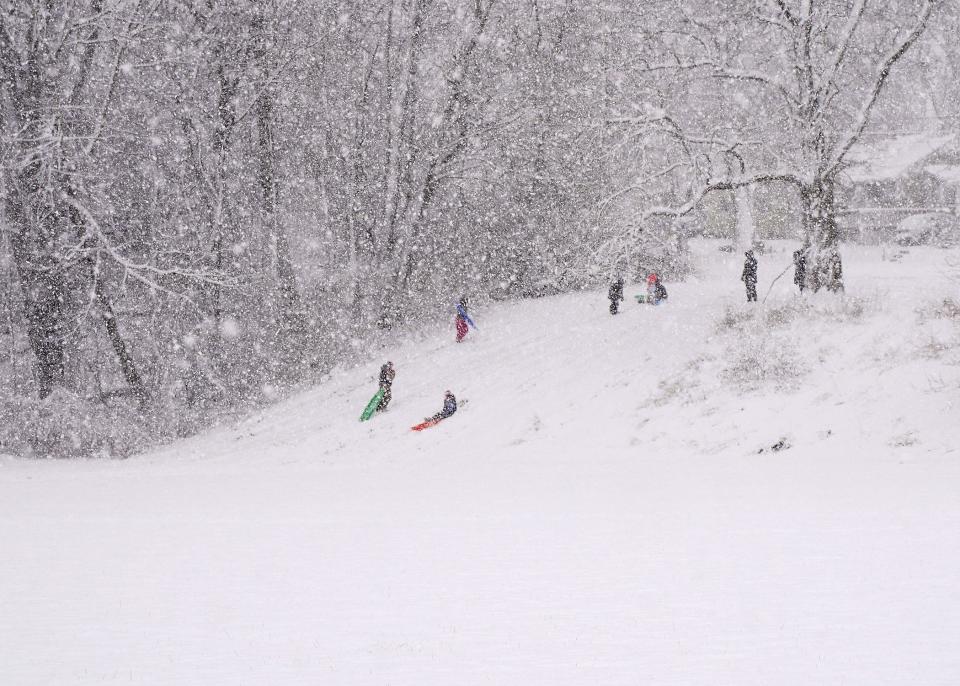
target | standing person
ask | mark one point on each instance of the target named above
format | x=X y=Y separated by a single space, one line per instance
x=800 y=269
x=749 y=276
x=616 y=295
x=449 y=407
x=387 y=374
x=462 y=319
x=834 y=271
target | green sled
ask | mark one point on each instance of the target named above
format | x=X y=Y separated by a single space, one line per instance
x=372 y=406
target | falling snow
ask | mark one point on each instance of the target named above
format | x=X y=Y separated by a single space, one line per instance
x=691 y=270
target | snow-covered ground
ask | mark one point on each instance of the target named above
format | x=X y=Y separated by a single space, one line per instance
x=608 y=508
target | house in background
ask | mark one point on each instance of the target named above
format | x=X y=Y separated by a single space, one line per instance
x=890 y=180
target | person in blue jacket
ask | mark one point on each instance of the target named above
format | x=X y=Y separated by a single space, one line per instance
x=462 y=319
x=449 y=407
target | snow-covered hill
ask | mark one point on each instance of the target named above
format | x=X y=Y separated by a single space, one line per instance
x=702 y=492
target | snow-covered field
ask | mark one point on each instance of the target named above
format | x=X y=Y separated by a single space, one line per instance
x=608 y=508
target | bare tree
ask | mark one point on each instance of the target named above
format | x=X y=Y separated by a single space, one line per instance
x=55 y=117
x=798 y=84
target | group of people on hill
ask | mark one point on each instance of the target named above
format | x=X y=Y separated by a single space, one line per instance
x=388 y=373
x=656 y=292
x=833 y=276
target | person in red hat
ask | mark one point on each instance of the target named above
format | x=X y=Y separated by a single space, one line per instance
x=656 y=293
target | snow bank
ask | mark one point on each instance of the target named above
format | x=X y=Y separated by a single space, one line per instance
x=699 y=492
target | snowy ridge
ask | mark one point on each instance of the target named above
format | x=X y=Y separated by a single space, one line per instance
x=610 y=507
x=566 y=362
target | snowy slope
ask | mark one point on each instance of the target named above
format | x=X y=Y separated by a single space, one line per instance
x=607 y=508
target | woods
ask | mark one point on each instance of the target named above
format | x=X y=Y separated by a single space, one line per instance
x=206 y=201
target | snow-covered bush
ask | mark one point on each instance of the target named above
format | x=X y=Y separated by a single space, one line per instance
x=733 y=318
x=948 y=308
x=67 y=425
x=785 y=313
x=756 y=358
x=684 y=386
x=763 y=340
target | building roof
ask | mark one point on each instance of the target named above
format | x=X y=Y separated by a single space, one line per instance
x=891 y=158
x=948 y=173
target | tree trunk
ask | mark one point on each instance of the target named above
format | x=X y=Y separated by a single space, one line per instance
x=289 y=303
x=743 y=198
x=44 y=291
x=91 y=263
x=42 y=277
x=821 y=236
x=124 y=357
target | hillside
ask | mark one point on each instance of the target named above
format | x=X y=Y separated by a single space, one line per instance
x=702 y=492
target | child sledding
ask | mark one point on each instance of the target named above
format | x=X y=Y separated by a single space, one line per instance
x=384 y=394
x=381 y=399
x=449 y=408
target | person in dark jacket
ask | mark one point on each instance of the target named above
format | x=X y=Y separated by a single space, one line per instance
x=834 y=272
x=616 y=295
x=656 y=292
x=449 y=407
x=800 y=269
x=387 y=374
x=660 y=291
x=749 y=276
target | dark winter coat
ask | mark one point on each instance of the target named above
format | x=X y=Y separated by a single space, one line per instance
x=800 y=268
x=835 y=266
x=616 y=291
x=659 y=291
x=449 y=407
x=749 y=275
x=387 y=374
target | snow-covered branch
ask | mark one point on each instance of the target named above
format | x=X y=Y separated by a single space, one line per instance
x=835 y=162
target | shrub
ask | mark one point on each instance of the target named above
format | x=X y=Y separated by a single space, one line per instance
x=66 y=425
x=760 y=358
x=733 y=318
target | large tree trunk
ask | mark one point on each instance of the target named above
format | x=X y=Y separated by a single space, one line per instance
x=821 y=235
x=44 y=292
x=42 y=277
x=289 y=305
x=223 y=135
